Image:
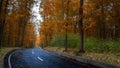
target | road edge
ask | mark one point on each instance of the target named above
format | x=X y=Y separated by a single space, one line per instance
x=85 y=61
x=5 y=63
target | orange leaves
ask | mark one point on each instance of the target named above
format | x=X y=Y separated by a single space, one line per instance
x=16 y=28
x=56 y=14
x=97 y=14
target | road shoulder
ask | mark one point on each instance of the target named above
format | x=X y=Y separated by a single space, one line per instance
x=3 y=52
x=83 y=60
x=3 y=55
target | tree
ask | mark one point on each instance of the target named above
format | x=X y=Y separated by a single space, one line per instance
x=66 y=26
x=89 y=18
x=1 y=1
x=81 y=27
x=15 y=21
x=3 y=13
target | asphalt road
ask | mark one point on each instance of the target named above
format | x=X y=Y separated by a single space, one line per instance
x=39 y=58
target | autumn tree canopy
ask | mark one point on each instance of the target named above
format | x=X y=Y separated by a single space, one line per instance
x=16 y=29
x=86 y=18
x=89 y=18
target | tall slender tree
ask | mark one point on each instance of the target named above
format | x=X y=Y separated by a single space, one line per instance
x=81 y=27
x=66 y=26
x=3 y=13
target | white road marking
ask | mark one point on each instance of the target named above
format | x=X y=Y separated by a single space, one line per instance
x=33 y=52
x=9 y=58
x=40 y=59
x=9 y=62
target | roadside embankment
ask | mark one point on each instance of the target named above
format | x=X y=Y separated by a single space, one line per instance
x=107 y=58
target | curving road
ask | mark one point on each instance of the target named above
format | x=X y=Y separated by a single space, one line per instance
x=39 y=58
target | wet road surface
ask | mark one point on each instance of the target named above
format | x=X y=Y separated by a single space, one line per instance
x=39 y=58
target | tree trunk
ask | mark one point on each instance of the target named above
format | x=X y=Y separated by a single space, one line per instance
x=18 y=43
x=2 y=21
x=1 y=1
x=66 y=27
x=102 y=22
x=24 y=31
x=81 y=28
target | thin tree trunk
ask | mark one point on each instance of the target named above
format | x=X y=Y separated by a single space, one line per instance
x=66 y=27
x=18 y=35
x=102 y=22
x=2 y=22
x=24 y=31
x=1 y=26
x=75 y=26
x=8 y=39
x=81 y=28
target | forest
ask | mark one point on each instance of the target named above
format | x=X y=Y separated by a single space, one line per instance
x=92 y=25
x=16 y=29
x=87 y=25
x=38 y=29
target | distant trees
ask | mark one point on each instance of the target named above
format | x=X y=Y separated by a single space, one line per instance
x=100 y=14
x=90 y=18
x=81 y=27
x=62 y=18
